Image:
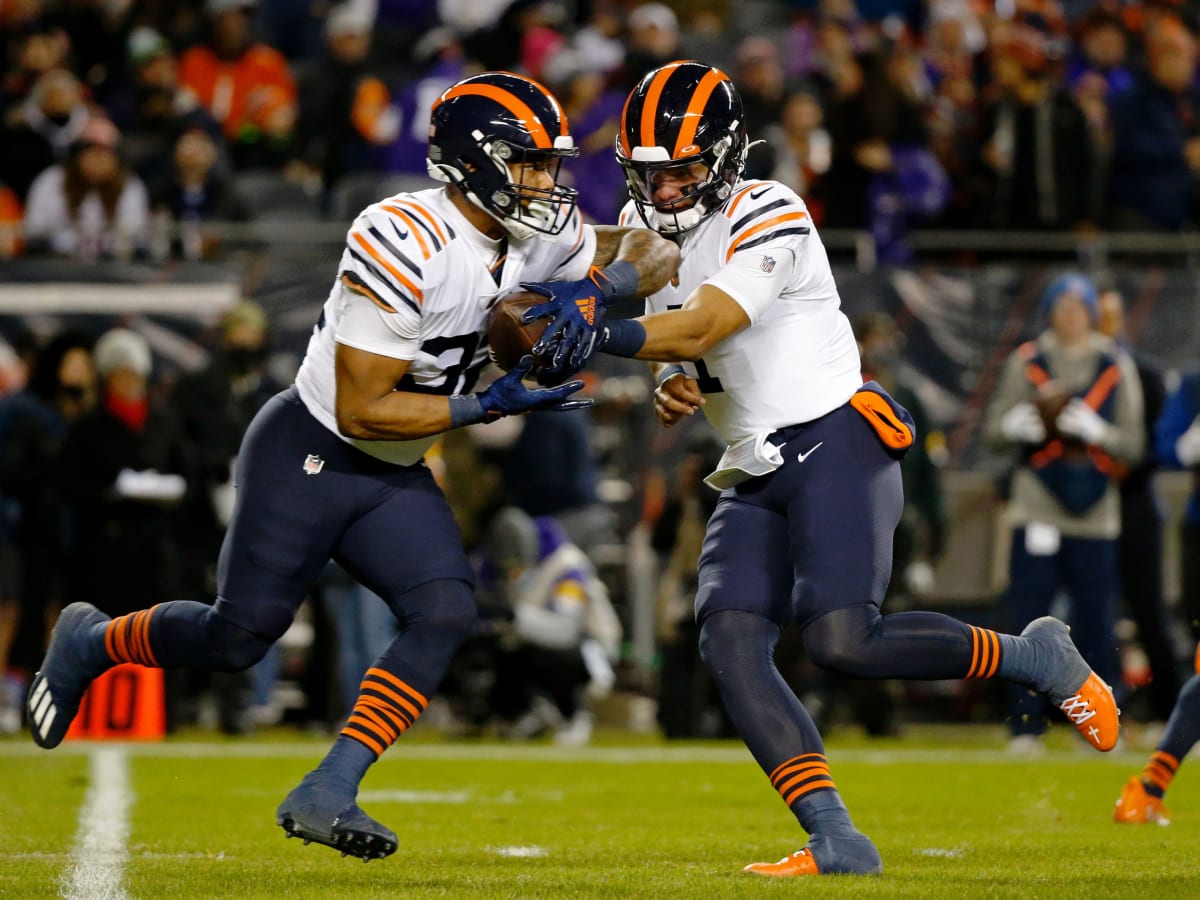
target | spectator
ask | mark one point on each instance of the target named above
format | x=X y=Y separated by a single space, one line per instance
x=153 y=110
x=10 y=223
x=439 y=62
x=214 y=405
x=558 y=652
x=1156 y=133
x=802 y=147
x=653 y=40
x=1140 y=544
x=121 y=472
x=61 y=388
x=91 y=206
x=346 y=111
x=1036 y=159
x=1069 y=403
x=196 y=192
x=760 y=79
x=36 y=48
x=41 y=131
x=246 y=86
x=1177 y=446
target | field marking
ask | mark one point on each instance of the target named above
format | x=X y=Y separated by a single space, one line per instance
x=531 y=852
x=676 y=754
x=101 y=847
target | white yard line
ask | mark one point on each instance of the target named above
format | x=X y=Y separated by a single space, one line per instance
x=101 y=843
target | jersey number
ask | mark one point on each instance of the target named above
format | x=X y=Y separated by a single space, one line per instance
x=708 y=384
x=458 y=377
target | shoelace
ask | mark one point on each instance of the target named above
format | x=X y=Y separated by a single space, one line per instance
x=1078 y=710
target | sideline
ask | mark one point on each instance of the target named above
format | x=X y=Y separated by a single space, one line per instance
x=101 y=844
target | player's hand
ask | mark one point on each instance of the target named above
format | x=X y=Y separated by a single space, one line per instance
x=1081 y=421
x=576 y=310
x=1023 y=424
x=509 y=395
x=677 y=397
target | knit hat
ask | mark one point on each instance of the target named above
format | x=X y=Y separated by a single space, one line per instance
x=121 y=348
x=1069 y=283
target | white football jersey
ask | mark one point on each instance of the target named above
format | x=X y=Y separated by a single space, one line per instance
x=416 y=282
x=798 y=359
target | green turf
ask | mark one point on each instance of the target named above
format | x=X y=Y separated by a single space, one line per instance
x=951 y=817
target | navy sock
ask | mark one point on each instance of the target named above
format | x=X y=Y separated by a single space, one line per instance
x=738 y=649
x=859 y=641
x=1183 y=731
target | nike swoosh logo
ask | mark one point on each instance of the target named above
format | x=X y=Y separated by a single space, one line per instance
x=754 y=195
x=803 y=456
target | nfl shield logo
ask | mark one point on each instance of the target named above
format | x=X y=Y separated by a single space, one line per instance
x=767 y=264
x=313 y=464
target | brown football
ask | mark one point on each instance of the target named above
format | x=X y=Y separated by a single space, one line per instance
x=1050 y=402
x=508 y=339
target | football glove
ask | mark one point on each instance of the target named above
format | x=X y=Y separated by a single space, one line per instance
x=509 y=395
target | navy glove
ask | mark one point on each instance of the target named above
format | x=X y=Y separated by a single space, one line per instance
x=577 y=308
x=509 y=395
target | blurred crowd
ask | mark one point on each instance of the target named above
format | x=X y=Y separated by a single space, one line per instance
x=128 y=124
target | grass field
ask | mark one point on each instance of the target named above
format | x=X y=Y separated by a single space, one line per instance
x=952 y=816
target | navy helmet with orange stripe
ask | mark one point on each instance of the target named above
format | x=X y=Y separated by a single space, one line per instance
x=484 y=131
x=680 y=115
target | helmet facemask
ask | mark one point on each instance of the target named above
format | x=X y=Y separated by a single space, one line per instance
x=724 y=162
x=488 y=172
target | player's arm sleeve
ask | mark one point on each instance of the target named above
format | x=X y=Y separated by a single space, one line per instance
x=765 y=245
x=385 y=274
x=576 y=247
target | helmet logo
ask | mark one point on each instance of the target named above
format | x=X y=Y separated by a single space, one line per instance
x=689 y=150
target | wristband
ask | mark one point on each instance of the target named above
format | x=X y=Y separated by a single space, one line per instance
x=466 y=410
x=669 y=372
x=618 y=279
x=622 y=337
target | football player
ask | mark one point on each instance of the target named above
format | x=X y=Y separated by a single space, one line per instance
x=332 y=467
x=1141 y=800
x=752 y=333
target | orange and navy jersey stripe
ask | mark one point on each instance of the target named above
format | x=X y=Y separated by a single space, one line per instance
x=985 y=653
x=800 y=776
x=386 y=708
x=1160 y=769
x=127 y=639
x=755 y=224
x=389 y=243
x=644 y=125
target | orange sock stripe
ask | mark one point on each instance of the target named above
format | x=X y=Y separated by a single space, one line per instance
x=1156 y=777
x=975 y=642
x=379 y=717
x=417 y=697
x=110 y=646
x=795 y=760
x=116 y=630
x=388 y=696
x=151 y=659
x=1166 y=759
x=808 y=788
x=364 y=737
x=141 y=637
x=787 y=784
x=995 y=642
x=386 y=734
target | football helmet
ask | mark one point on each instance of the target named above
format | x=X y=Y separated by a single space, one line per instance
x=680 y=114
x=483 y=130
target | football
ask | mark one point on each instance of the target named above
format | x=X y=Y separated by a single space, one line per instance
x=508 y=339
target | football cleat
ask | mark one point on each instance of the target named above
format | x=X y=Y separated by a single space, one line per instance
x=799 y=863
x=1082 y=696
x=844 y=855
x=319 y=814
x=68 y=669
x=1093 y=711
x=1137 y=806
